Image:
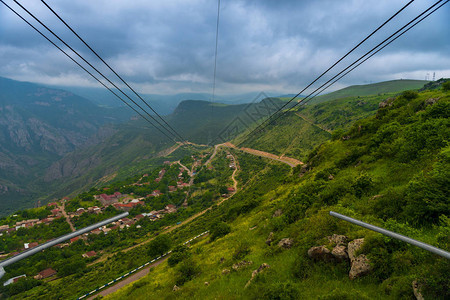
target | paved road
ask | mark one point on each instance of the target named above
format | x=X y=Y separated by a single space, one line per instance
x=128 y=280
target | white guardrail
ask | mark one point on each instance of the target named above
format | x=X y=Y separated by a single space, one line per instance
x=136 y=269
x=394 y=235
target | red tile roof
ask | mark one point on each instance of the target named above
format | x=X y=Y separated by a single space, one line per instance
x=47 y=273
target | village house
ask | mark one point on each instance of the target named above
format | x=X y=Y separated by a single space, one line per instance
x=52 y=204
x=45 y=274
x=89 y=254
x=172 y=188
x=73 y=240
x=56 y=212
x=30 y=245
x=4 y=228
x=127 y=206
x=171 y=208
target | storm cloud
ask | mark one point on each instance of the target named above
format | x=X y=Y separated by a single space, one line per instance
x=167 y=47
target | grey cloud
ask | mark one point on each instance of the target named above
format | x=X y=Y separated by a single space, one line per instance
x=168 y=46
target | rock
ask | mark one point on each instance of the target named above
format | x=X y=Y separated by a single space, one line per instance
x=330 y=177
x=376 y=197
x=254 y=227
x=305 y=168
x=354 y=246
x=346 y=137
x=256 y=272
x=386 y=103
x=206 y=283
x=269 y=239
x=360 y=267
x=416 y=289
x=277 y=213
x=241 y=265
x=175 y=288
x=286 y=243
x=340 y=253
x=338 y=239
x=320 y=253
x=225 y=271
x=431 y=101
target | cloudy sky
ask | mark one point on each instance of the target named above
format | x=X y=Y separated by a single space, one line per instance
x=167 y=47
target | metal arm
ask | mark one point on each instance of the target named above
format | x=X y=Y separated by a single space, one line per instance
x=48 y=244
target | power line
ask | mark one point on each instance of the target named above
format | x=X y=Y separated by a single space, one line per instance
x=80 y=56
x=304 y=100
x=332 y=66
x=87 y=71
x=215 y=59
x=340 y=77
x=112 y=70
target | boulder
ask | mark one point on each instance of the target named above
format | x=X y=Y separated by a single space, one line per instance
x=431 y=101
x=416 y=289
x=339 y=253
x=354 y=246
x=206 y=283
x=337 y=239
x=241 y=265
x=261 y=268
x=286 y=243
x=225 y=271
x=175 y=288
x=320 y=253
x=277 y=213
x=360 y=267
x=269 y=239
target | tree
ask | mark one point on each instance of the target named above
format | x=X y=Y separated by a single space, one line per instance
x=446 y=86
x=159 y=245
x=219 y=229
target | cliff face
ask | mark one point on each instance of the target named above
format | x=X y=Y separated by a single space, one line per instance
x=39 y=126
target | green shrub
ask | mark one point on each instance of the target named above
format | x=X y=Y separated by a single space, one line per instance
x=218 y=230
x=242 y=250
x=179 y=254
x=446 y=86
x=410 y=95
x=187 y=270
x=160 y=245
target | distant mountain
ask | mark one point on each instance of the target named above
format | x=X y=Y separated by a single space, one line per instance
x=38 y=126
x=393 y=86
x=163 y=104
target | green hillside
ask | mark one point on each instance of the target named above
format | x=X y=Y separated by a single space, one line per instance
x=393 y=86
x=387 y=163
x=391 y=170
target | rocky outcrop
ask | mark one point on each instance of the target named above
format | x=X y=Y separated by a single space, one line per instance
x=256 y=272
x=360 y=267
x=353 y=247
x=386 y=103
x=320 y=253
x=225 y=271
x=417 y=290
x=338 y=239
x=175 y=288
x=342 y=252
x=339 y=253
x=431 y=101
x=277 y=213
x=285 y=243
x=241 y=264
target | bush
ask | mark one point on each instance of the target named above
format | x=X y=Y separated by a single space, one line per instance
x=160 y=245
x=179 y=254
x=219 y=229
x=446 y=86
x=187 y=270
x=241 y=250
x=409 y=95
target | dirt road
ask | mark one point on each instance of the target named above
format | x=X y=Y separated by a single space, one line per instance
x=63 y=210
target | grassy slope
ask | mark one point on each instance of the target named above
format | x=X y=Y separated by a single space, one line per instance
x=393 y=86
x=411 y=156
